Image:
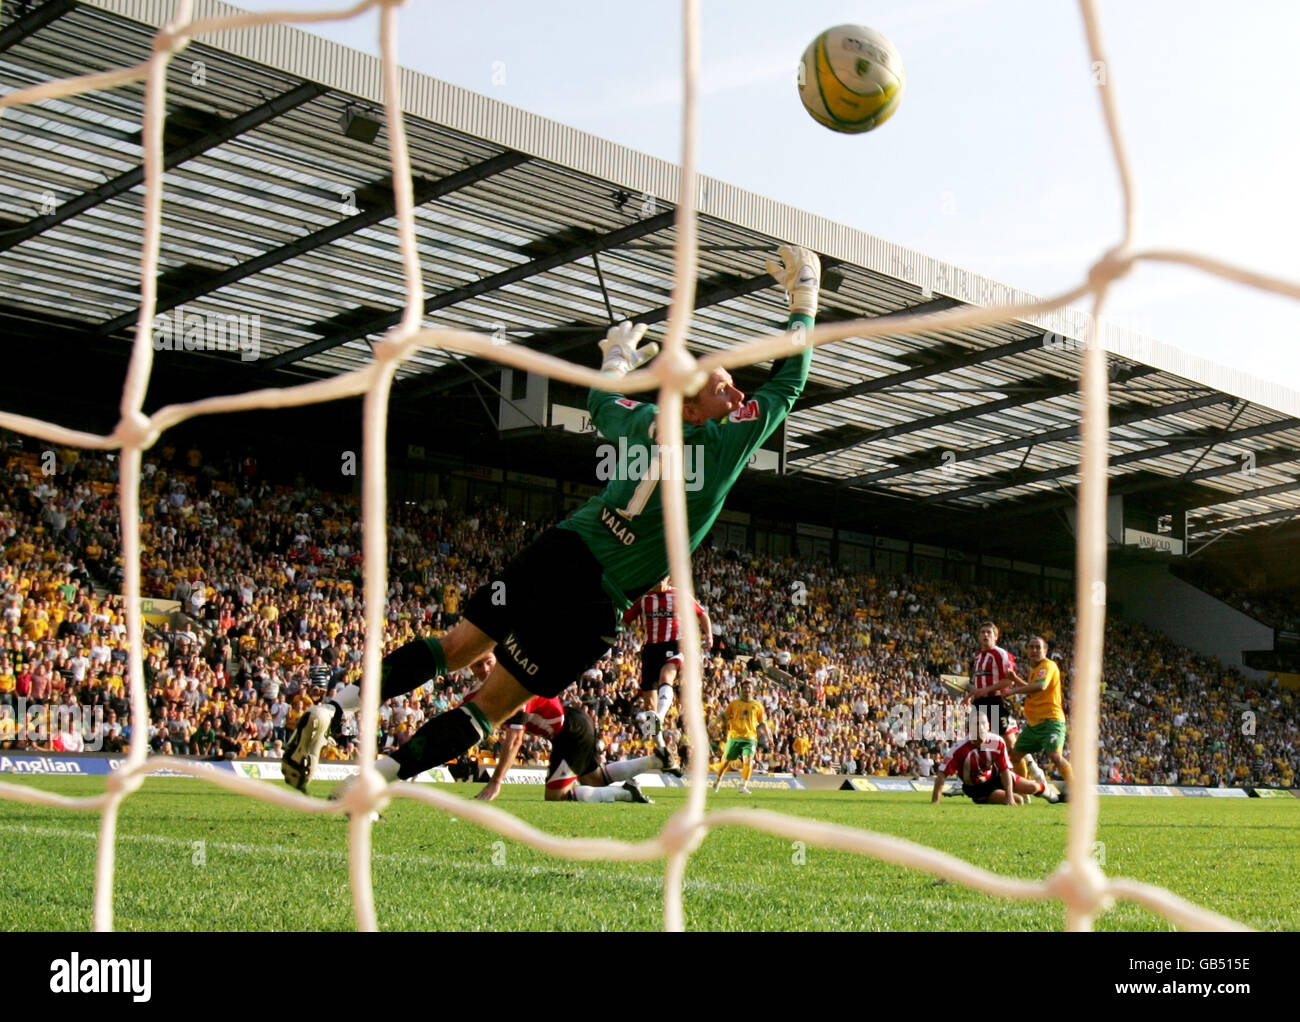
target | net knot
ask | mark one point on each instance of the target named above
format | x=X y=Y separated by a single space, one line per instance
x=1081 y=886
x=135 y=430
x=124 y=782
x=1114 y=264
x=678 y=370
x=393 y=343
x=682 y=833
x=170 y=38
x=365 y=793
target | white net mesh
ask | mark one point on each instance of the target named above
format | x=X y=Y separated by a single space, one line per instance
x=1078 y=882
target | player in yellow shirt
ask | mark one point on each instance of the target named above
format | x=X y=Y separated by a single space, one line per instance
x=1044 y=709
x=744 y=717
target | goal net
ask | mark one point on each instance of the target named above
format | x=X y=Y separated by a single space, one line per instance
x=1078 y=882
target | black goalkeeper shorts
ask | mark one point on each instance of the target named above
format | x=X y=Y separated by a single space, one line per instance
x=548 y=612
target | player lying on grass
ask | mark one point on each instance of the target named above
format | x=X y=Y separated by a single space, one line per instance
x=574 y=772
x=661 y=658
x=984 y=767
x=556 y=608
x=992 y=672
x=1044 y=709
x=744 y=716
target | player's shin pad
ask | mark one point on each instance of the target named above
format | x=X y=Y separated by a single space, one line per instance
x=441 y=739
x=410 y=666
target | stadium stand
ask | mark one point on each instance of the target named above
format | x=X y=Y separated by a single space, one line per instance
x=1273 y=607
x=264 y=576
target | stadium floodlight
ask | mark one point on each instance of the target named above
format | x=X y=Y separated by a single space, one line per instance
x=832 y=280
x=359 y=126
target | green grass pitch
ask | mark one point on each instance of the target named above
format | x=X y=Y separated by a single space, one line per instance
x=195 y=857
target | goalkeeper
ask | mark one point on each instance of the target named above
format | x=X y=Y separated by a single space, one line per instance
x=556 y=607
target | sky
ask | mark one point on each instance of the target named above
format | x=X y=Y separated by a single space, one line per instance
x=997 y=159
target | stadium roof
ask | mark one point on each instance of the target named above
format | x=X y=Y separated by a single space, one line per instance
x=549 y=234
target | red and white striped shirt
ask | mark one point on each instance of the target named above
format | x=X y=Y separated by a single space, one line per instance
x=541 y=716
x=981 y=759
x=660 y=612
x=991 y=667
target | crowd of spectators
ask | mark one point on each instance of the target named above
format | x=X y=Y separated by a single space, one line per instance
x=266 y=578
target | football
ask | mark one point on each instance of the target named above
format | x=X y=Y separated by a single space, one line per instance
x=851 y=79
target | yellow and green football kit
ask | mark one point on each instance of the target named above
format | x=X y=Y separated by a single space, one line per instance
x=743 y=718
x=1045 y=712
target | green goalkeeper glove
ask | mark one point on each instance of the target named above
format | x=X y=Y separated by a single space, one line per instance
x=799 y=271
x=620 y=351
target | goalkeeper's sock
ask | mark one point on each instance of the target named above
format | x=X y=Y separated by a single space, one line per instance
x=586 y=793
x=410 y=666
x=665 y=702
x=628 y=768
x=441 y=739
x=404 y=669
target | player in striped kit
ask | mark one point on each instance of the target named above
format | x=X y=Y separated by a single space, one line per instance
x=661 y=658
x=993 y=670
x=984 y=766
x=595 y=564
x=573 y=773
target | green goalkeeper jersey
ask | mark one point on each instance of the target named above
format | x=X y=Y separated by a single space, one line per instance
x=624 y=524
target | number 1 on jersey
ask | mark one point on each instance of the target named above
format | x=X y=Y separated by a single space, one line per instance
x=641 y=495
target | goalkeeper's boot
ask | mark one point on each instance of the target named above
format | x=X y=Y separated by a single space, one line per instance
x=637 y=794
x=337 y=719
x=302 y=753
x=670 y=764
